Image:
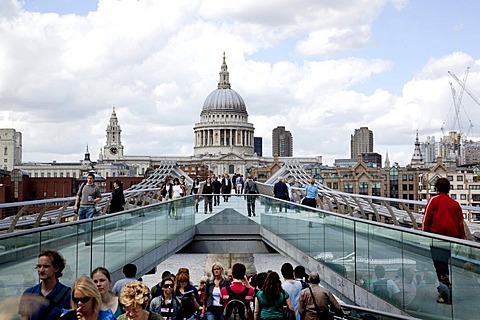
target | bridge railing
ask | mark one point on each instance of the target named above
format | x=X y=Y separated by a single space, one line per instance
x=400 y=212
x=32 y=214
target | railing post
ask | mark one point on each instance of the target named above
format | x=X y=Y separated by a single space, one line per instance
x=62 y=211
x=392 y=214
x=16 y=218
x=39 y=217
x=375 y=211
x=409 y=212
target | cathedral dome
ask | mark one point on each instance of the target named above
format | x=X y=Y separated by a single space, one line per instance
x=224 y=99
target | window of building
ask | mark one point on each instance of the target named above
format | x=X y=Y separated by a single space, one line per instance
x=450 y=178
x=410 y=187
x=459 y=178
x=363 y=188
x=454 y=196
x=48 y=174
x=335 y=185
x=5 y=151
x=54 y=174
x=42 y=175
x=376 y=189
x=404 y=177
x=5 y=160
x=404 y=187
x=410 y=177
x=463 y=197
x=459 y=187
x=348 y=187
x=393 y=174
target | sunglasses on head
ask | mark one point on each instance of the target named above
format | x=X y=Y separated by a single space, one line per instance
x=166 y=286
x=82 y=299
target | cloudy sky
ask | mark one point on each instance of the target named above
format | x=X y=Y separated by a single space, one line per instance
x=321 y=68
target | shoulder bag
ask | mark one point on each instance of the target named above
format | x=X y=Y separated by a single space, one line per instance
x=327 y=315
x=286 y=313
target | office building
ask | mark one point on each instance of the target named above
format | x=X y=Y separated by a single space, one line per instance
x=11 y=148
x=361 y=142
x=282 y=142
x=258 y=146
x=429 y=150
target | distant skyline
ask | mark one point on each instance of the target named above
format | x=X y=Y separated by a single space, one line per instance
x=320 y=68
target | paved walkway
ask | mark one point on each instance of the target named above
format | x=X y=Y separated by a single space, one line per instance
x=197 y=263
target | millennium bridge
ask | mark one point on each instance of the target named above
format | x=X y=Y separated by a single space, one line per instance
x=344 y=239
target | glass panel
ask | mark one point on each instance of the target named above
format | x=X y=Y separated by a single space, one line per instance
x=465 y=276
x=115 y=240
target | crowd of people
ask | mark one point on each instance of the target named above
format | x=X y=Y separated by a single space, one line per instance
x=222 y=295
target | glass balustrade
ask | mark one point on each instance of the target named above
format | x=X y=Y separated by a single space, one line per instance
x=114 y=240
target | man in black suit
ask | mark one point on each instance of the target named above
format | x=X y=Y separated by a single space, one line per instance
x=280 y=191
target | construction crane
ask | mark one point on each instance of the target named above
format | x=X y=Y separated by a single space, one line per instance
x=457 y=101
x=463 y=85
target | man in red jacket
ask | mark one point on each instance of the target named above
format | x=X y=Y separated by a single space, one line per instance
x=444 y=216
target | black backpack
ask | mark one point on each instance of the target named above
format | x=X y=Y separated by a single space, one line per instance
x=304 y=284
x=381 y=290
x=236 y=308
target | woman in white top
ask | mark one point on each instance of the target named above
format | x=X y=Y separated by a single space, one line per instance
x=177 y=189
x=177 y=193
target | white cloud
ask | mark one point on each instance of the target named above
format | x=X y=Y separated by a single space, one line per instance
x=156 y=62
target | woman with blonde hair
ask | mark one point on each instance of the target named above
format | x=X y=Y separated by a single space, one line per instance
x=134 y=298
x=212 y=306
x=86 y=302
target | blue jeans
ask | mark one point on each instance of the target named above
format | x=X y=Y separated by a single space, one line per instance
x=251 y=205
x=214 y=313
x=86 y=213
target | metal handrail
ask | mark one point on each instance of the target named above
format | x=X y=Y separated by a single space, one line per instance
x=57 y=210
x=367 y=207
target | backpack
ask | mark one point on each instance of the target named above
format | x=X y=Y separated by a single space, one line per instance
x=380 y=289
x=236 y=308
x=304 y=284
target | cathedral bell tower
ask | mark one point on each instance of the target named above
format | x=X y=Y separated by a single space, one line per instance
x=113 y=150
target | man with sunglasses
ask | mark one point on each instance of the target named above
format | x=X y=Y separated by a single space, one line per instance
x=45 y=300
